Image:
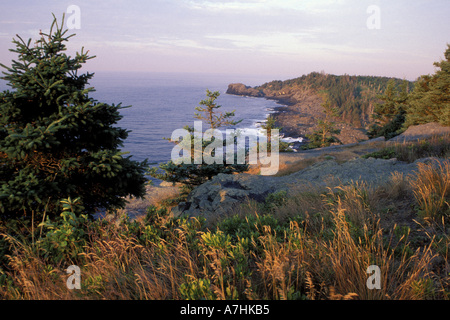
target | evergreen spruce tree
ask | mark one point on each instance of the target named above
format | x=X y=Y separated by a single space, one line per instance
x=57 y=142
x=430 y=99
x=389 y=115
x=193 y=174
x=213 y=118
x=388 y=107
x=270 y=125
x=324 y=136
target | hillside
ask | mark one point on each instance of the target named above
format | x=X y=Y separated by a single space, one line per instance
x=320 y=167
x=353 y=96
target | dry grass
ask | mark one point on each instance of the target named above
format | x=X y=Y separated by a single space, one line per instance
x=157 y=196
x=294 y=162
x=318 y=244
x=33 y=278
x=410 y=151
x=432 y=189
x=116 y=265
x=122 y=268
x=289 y=168
x=350 y=260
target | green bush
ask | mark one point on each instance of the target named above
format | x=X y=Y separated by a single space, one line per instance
x=193 y=174
x=197 y=289
x=385 y=153
x=65 y=237
x=274 y=200
x=57 y=142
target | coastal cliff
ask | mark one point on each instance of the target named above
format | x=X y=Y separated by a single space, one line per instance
x=241 y=89
x=301 y=108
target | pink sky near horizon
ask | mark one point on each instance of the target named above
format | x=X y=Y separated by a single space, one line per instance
x=274 y=39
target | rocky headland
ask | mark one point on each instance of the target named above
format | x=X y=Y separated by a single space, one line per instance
x=299 y=111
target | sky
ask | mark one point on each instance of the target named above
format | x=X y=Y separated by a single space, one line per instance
x=277 y=39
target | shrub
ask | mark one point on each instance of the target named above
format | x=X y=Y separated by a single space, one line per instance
x=193 y=174
x=197 y=289
x=65 y=237
x=435 y=146
x=57 y=142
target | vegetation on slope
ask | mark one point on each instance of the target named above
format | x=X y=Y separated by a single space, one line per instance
x=353 y=96
x=314 y=245
x=317 y=244
x=385 y=106
x=56 y=142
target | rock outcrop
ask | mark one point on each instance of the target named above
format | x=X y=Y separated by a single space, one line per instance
x=223 y=192
x=421 y=131
x=243 y=90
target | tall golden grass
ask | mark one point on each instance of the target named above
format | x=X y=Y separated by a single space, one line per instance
x=410 y=151
x=323 y=252
x=432 y=189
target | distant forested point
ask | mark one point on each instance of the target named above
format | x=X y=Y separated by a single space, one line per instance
x=354 y=97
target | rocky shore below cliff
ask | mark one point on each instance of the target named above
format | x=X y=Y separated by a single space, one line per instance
x=298 y=112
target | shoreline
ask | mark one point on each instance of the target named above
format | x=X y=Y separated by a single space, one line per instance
x=296 y=140
x=285 y=110
x=300 y=119
x=286 y=114
x=298 y=113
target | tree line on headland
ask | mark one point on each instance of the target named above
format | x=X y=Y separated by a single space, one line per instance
x=353 y=96
x=383 y=105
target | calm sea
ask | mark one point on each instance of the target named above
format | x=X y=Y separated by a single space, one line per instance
x=163 y=102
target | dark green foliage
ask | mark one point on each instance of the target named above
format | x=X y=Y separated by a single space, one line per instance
x=275 y=200
x=430 y=100
x=389 y=115
x=385 y=153
x=353 y=96
x=55 y=141
x=324 y=136
x=393 y=102
x=195 y=174
x=391 y=129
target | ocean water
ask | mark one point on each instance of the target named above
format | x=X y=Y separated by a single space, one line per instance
x=163 y=102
